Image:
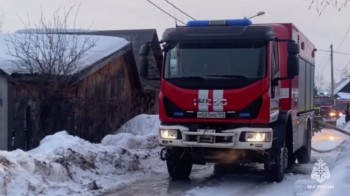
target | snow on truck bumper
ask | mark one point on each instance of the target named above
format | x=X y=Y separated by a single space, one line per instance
x=238 y=138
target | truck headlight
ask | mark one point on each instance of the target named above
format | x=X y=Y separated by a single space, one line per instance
x=332 y=114
x=257 y=136
x=168 y=133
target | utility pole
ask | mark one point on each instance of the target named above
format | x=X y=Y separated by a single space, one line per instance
x=332 y=77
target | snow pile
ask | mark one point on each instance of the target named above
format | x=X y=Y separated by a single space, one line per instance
x=140 y=132
x=142 y=124
x=68 y=165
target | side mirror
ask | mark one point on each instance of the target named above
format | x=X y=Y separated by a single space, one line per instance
x=293 y=60
x=293 y=66
x=293 y=48
x=144 y=52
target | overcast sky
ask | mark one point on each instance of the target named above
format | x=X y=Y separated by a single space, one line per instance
x=328 y=28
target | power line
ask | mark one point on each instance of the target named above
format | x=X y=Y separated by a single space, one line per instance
x=165 y=11
x=180 y=10
x=333 y=51
x=346 y=34
x=324 y=61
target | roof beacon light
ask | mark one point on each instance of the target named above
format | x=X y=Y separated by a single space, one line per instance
x=206 y=23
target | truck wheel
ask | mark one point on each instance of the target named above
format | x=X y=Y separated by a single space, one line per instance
x=179 y=163
x=304 y=153
x=275 y=168
x=291 y=155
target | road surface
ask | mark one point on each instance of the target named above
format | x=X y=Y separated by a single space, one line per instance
x=248 y=180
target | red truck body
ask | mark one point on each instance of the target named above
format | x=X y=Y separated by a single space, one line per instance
x=258 y=106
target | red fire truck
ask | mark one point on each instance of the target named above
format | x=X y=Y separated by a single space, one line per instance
x=234 y=92
x=327 y=109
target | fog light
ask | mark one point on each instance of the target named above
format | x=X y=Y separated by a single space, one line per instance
x=168 y=133
x=257 y=137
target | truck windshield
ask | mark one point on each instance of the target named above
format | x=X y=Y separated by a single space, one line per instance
x=243 y=60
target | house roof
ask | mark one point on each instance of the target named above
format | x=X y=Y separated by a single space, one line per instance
x=127 y=52
x=138 y=37
x=342 y=86
x=343 y=95
x=103 y=47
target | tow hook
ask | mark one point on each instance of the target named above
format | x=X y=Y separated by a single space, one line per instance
x=163 y=154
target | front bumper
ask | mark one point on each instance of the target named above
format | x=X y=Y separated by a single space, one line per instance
x=209 y=138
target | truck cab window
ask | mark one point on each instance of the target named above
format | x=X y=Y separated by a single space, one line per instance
x=274 y=61
x=244 y=59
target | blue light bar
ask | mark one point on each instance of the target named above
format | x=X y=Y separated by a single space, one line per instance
x=206 y=23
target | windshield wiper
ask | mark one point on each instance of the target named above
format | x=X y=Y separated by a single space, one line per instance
x=190 y=77
x=228 y=76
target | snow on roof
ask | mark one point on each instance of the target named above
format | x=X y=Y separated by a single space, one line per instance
x=341 y=84
x=344 y=95
x=104 y=46
x=53 y=30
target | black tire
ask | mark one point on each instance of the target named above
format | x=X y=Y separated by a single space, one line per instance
x=289 y=144
x=274 y=171
x=179 y=163
x=304 y=153
x=291 y=155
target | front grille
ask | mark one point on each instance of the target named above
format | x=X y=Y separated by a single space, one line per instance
x=206 y=139
x=209 y=139
x=250 y=112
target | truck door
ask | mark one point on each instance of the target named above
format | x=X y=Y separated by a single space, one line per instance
x=275 y=90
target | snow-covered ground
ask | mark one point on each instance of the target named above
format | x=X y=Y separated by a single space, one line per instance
x=68 y=165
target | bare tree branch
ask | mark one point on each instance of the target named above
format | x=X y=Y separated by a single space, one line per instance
x=47 y=49
x=51 y=51
x=321 y=5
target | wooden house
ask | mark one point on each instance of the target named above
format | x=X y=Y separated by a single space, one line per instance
x=102 y=95
x=149 y=76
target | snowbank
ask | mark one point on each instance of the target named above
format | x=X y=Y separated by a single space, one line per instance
x=68 y=165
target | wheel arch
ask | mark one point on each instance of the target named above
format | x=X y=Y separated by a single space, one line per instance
x=309 y=122
x=283 y=131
